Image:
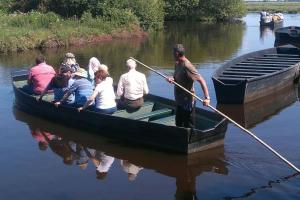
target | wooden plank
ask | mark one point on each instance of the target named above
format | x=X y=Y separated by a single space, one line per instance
x=243 y=73
x=233 y=78
x=270 y=62
x=283 y=55
x=253 y=64
x=236 y=76
x=252 y=70
x=156 y=113
x=275 y=58
x=256 y=67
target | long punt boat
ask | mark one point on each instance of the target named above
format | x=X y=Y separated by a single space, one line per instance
x=257 y=74
x=152 y=125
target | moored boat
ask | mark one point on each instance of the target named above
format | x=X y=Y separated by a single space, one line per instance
x=287 y=35
x=152 y=125
x=257 y=74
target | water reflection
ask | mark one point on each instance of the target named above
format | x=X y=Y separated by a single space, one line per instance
x=80 y=148
x=265 y=32
x=248 y=115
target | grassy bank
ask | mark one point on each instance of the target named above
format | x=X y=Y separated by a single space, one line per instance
x=20 y=32
x=284 y=7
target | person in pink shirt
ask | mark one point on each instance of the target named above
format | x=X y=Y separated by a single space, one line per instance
x=40 y=75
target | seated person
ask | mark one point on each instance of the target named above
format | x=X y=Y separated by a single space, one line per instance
x=94 y=65
x=81 y=87
x=39 y=76
x=132 y=87
x=60 y=84
x=70 y=61
x=103 y=95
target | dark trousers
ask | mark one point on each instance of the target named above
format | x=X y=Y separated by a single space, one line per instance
x=130 y=105
x=184 y=117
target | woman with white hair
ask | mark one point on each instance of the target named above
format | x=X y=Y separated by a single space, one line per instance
x=94 y=65
x=132 y=87
x=103 y=95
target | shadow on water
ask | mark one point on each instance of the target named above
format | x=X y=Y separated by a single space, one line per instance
x=250 y=114
x=75 y=147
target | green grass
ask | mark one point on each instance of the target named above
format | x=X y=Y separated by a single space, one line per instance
x=20 y=32
x=284 y=7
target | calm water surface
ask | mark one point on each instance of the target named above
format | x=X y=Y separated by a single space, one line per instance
x=66 y=168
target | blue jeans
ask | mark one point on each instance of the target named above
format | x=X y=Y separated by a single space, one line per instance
x=106 y=111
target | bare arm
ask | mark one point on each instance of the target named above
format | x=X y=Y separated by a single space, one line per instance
x=44 y=92
x=89 y=101
x=203 y=85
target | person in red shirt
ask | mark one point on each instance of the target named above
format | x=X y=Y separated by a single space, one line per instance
x=40 y=75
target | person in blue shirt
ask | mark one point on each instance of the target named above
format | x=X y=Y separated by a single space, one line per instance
x=81 y=87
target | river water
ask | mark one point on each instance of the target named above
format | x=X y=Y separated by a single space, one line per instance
x=64 y=166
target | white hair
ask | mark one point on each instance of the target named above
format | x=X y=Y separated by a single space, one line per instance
x=131 y=64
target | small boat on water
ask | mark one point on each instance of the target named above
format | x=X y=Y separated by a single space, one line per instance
x=257 y=74
x=272 y=20
x=152 y=125
x=287 y=35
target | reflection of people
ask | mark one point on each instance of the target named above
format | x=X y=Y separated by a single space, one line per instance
x=185 y=74
x=132 y=87
x=101 y=161
x=105 y=164
x=38 y=135
x=39 y=76
x=131 y=169
x=79 y=154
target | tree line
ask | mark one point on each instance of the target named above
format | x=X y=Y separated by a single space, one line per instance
x=151 y=14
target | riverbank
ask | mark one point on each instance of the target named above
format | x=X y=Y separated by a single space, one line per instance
x=284 y=7
x=20 y=32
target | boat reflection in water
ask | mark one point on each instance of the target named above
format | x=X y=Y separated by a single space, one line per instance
x=250 y=114
x=78 y=148
x=265 y=31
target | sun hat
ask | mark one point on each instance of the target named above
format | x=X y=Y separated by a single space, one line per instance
x=81 y=72
x=69 y=55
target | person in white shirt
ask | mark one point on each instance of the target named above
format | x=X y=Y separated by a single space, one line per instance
x=94 y=65
x=132 y=87
x=103 y=95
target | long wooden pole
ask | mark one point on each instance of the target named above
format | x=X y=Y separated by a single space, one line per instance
x=231 y=120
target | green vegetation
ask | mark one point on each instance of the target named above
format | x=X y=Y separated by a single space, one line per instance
x=204 y=10
x=29 y=24
x=286 y=7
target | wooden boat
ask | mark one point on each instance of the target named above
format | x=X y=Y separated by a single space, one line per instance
x=257 y=74
x=152 y=125
x=287 y=35
x=184 y=170
x=250 y=114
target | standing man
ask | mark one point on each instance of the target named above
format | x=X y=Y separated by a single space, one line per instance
x=185 y=74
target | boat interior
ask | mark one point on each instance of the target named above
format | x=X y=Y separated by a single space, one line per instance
x=254 y=67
